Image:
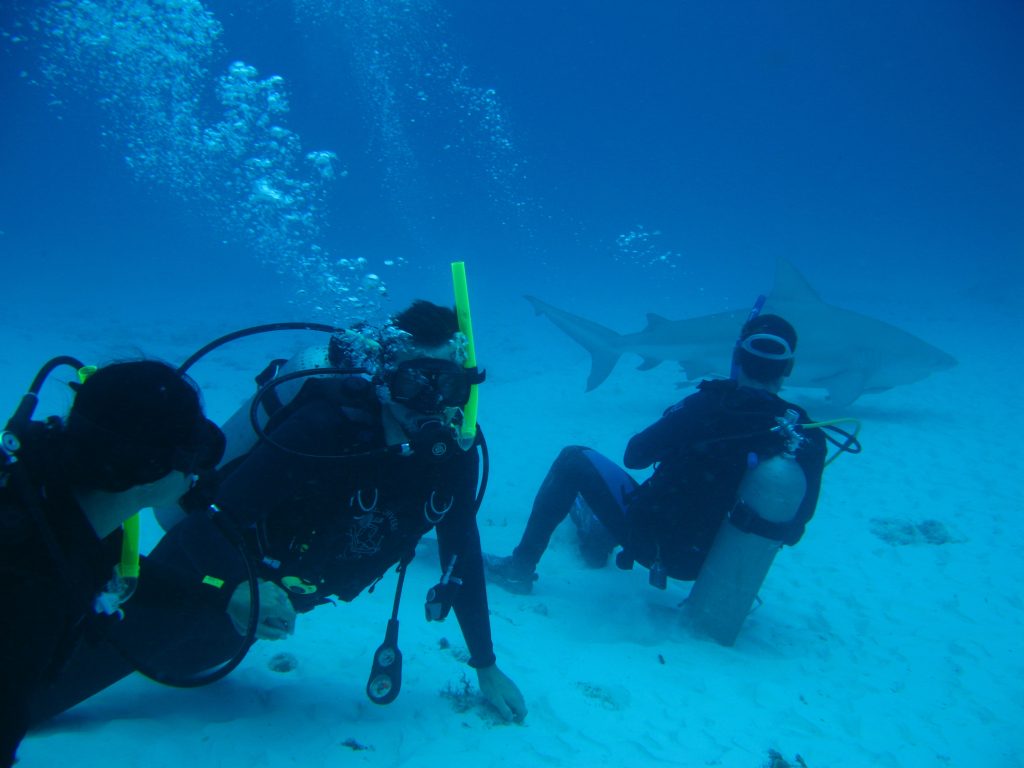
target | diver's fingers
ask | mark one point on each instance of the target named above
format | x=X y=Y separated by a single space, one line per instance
x=502 y=707
x=270 y=633
x=275 y=628
x=274 y=601
x=272 y=592
x=519 y=711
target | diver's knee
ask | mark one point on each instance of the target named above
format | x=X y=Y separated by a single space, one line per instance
x=571 y=453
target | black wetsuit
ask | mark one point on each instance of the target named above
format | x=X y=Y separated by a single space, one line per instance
x=700 y=449
x=332 y=518
x=338 y=524
x=44 y=617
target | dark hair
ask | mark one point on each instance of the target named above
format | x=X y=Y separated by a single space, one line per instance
x=132 y=423
x=766 y=360
x=429 y=325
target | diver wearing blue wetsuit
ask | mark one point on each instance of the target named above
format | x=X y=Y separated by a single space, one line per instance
x=700 y=448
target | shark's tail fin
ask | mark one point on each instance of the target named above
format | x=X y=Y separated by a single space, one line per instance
x=599 y=341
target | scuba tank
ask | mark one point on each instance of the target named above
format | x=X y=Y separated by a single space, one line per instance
x=239 y=433
x=769 y=496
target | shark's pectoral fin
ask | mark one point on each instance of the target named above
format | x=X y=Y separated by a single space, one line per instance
x=699 y=369
x=648 y=363
x=602 y=362
x=846 y=387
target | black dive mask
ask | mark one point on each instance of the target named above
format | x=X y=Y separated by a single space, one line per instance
x=205 y=451
x=429 y=385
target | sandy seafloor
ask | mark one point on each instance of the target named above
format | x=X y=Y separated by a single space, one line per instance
x=864 y=653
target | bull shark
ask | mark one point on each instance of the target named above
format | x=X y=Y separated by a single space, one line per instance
x=841 y=351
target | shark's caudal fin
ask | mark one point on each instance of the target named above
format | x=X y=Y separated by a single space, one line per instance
x=599 y=341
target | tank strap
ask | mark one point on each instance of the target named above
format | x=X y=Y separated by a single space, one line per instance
x=747 y=520
x=271 y=402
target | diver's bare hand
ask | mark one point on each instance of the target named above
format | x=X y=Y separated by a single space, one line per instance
x=499 y=689
x=277 y=616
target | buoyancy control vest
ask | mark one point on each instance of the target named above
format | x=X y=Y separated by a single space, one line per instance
x=675 y=514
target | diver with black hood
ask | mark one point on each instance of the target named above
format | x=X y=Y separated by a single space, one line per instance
x=135 y=437
x=359 y=449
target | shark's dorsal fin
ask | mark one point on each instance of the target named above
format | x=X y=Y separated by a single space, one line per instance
x=790 y=285
x=654 y=320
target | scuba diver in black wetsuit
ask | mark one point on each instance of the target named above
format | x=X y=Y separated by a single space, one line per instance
x=347 y=472
x=702 y=449
x=134 y=437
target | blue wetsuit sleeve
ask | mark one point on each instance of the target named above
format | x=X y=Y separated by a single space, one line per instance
x=458 y=535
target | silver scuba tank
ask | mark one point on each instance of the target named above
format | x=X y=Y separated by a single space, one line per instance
x=738 y=562
x=238 y=432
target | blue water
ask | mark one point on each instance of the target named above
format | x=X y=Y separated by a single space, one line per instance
x=632 y=156
x=171 y=170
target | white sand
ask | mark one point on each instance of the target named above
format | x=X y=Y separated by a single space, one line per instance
x=863 y=654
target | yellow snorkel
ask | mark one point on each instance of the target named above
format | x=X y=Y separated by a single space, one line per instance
x=468 y=429
x=129 y=568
